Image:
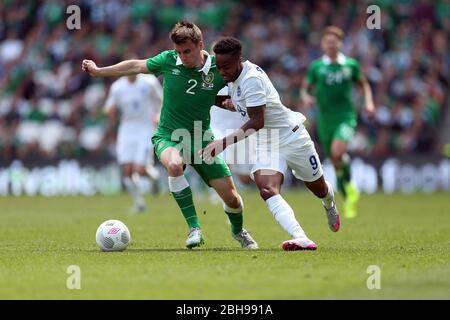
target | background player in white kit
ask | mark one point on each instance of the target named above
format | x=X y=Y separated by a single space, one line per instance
x=240 y=157
x=283 y=142
x=138 y=98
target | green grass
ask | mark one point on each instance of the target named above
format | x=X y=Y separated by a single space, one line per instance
x=408 y=237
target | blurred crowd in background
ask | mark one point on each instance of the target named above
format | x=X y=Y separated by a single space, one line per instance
x=50 y=109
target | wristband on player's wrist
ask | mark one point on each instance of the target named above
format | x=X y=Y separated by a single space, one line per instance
x=224 y=143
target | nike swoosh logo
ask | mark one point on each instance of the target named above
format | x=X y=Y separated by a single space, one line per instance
x=314 y=174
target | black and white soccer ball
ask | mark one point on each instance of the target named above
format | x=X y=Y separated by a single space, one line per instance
x=113 y=235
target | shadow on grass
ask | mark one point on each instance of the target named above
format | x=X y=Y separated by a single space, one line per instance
x=141 y=250
x=149 y=250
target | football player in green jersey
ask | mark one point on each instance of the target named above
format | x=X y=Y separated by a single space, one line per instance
x=191 y=84
x=331 y=79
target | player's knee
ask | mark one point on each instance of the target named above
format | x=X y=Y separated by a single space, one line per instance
x=267 y=192
x=127 y=171
x=234 y=201
x=140 y=170
x=337 y=152
x=174 y=169
x=127 y=174
x=245 y=179
x=336 y=158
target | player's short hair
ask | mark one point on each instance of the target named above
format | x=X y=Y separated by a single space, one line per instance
x=335 y=31
x=184 y=31
x=228 y=45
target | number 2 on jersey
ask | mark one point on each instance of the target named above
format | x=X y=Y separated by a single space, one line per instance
x=189 y=90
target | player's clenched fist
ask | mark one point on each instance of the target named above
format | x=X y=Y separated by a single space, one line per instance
x=229 y=105
x=90 y=67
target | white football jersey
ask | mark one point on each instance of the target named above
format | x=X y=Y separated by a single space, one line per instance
x=253 y=88
x=138 y=101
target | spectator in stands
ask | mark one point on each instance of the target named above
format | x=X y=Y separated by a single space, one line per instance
x=407 y=62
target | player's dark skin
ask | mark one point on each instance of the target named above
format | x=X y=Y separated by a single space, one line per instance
x=269 y=182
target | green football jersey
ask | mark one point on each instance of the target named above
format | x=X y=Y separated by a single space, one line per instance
x=188 y=93
x=333 y=84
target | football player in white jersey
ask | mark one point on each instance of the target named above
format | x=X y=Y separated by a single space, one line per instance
x=282 y=141
x=138 y=99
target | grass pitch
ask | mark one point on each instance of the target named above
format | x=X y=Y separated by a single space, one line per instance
x=407 y=237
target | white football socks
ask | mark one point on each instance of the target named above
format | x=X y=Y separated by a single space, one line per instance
x=133 y=187
x=177 y=184
x=284 y=214
x=328 y=200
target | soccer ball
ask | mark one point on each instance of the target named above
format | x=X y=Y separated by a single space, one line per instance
x=113 y=235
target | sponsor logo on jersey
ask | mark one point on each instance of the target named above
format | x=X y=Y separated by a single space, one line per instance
x=208 y=81
x=176 y=72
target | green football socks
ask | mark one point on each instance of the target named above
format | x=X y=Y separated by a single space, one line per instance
x=186 y=204
x=236 y=220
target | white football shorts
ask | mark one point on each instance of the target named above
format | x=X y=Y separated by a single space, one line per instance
x=241 y=156
x=134 y=147
x=289 y=149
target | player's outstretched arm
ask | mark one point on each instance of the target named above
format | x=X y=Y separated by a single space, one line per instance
x=124 y=68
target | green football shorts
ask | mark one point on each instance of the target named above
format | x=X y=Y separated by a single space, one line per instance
x=217 y=169
x=338 y=130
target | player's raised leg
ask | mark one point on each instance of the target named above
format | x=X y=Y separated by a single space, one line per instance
x=341 y=163
x=324 y=191
x=138 y=172
x=150 y=169
x=179 y=187
x=269 y=184
x=233 y=207
x=142 y=151
x=127 y=151
x=302 y=158
x=132 y=186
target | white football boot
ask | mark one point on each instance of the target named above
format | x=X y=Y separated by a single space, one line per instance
x=245 y=239
x=195 y=238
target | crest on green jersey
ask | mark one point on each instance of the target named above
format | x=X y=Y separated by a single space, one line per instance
x=208 y=81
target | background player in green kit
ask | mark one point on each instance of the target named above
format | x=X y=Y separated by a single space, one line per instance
x=191 y=84
x=331 y=79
